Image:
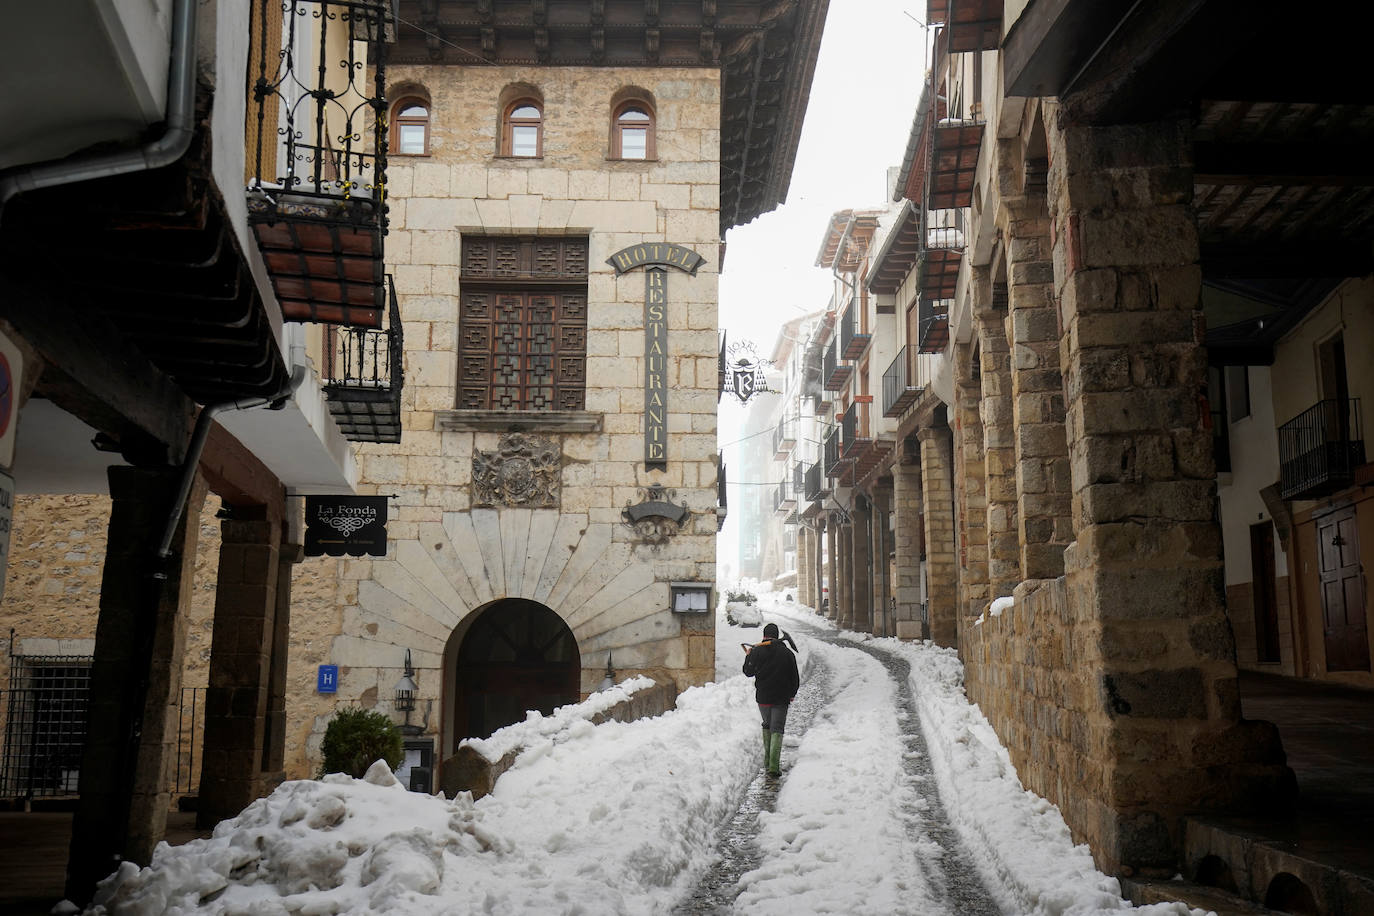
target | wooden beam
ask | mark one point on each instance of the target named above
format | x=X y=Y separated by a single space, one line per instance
x=1291 y=164
x=238 y=476
x=93 y=374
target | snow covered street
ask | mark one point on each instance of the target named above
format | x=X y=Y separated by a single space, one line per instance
x=895 y=798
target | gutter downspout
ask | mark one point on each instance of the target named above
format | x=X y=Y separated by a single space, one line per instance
x=199 y=436
x=171 y=146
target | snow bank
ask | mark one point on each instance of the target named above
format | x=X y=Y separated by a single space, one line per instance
x=538 y=728
x=606 y=819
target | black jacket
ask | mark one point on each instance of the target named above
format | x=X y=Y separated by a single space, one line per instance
x=774 y=670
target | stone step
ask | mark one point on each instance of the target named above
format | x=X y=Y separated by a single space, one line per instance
x=1213 y=899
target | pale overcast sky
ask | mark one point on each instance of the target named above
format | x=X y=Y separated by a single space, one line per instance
x=863 y=97
x=867 y=82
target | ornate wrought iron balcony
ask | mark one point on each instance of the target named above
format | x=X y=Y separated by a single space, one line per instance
x=1320 y=449
x=317 y=155
x=363 y=366
x=833 y=460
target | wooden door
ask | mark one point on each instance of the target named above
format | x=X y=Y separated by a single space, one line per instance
x=1342 y=589
x=1265 y=590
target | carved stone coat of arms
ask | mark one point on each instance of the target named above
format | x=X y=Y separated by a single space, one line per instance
x=523 y=471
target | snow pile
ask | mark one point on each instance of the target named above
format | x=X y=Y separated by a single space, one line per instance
x=614 y=818
x=837 y=841
x=538 y=728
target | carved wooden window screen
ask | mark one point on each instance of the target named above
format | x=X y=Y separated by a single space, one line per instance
x=523 y=324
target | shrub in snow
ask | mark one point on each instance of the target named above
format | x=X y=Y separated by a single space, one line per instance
x=356 y=738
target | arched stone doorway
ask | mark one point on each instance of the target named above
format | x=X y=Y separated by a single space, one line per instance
x=516 y=656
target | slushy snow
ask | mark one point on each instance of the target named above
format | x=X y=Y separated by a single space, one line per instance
x=622 y=817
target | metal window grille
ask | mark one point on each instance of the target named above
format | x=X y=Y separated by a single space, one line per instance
x=45 y=725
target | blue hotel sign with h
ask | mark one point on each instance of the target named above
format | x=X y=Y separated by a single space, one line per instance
x=328 y=681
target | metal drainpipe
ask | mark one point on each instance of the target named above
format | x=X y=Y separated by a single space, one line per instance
x=171 y=146
x=192 y=461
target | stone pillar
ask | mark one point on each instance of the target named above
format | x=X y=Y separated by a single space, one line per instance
x=1163 y=733
x=880 y=549
x=942 y=564
x=804 y=535
x=908 y=535
x=970 y=487
x=999 y=436
x=832 y=572
x=235 y=767
x=131 y=738
x=274 y=732
x=861 y=569
x=844 y=614
x=1037 y=389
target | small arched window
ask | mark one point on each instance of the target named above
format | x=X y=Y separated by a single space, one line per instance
x=632 y=134
x=523 y=131
x=410 y=127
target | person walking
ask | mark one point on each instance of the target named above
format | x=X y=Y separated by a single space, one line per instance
x=774 y=669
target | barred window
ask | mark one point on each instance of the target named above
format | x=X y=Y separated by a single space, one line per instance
x=523 y=323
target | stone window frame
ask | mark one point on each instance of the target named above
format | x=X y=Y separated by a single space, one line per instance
x=633 y=98
x=399 y=119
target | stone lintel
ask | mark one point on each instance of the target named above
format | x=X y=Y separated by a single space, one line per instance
x=562 y=421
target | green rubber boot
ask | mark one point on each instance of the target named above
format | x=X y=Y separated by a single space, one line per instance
x=767 y=746
x=775 y=754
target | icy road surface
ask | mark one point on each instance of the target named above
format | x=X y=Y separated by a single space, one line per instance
x=895 y=798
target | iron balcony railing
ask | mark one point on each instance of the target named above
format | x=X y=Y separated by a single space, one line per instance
x=365 y=378
x=798 y=478
x=319 y=101
x=815 y=487
x=945 y=229
x=317 y=154
x=832 y=452
x=784 y=500
x=1320 y=448
x=852 y=342
x=932 y=317
x=900 y=388
x=854 y=431
x=834 y=373
x=784 y=437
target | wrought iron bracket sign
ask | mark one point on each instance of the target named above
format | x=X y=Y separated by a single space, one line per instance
x=656 y=258
x=524 y=471
x=339 y=525
x=655 y=518
x=744 y=376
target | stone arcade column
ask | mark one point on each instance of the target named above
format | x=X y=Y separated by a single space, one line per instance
x=970 y=485
x=1162 y=733
x=836 y=593
x=1037 y=389
x=999 y=437
x=880 y=549
x=942 y=564
x=861 y=570
x=907 y=533
x=238 y=761
x=844 y=615
x=135 y=679
x=804 y=565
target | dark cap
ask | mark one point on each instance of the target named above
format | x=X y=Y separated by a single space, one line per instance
x=770 y=631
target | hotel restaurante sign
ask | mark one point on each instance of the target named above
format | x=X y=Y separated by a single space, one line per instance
x=656 y=258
